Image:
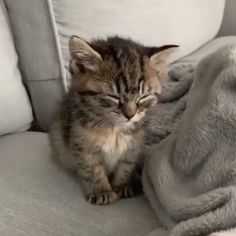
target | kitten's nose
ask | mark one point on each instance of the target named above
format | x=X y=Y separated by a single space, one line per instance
x=129 y=110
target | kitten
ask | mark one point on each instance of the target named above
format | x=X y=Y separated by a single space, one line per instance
x=230 y=232
x=98 y=132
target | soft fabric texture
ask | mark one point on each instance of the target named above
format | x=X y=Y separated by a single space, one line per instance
x=38 y=197
x=229 y=20
x=15 y=108
x=173 y=98
x=188 y=23
x=207 y=48
x=189 y=178
x=36 y=43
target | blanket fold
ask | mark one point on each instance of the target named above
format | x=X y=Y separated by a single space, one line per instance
x=189 y=177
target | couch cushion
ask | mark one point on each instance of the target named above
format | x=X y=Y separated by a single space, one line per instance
x=38 y=197
x=208 y=48
x=15 y=108
x=188 y=23
x=39 y=56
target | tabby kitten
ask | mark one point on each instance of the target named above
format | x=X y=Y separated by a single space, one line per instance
x=98 y=132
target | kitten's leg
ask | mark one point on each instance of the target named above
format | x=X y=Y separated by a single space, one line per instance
x=121 y=182
x=95 y=181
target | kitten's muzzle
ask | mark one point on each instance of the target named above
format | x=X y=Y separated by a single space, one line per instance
x=129 y=110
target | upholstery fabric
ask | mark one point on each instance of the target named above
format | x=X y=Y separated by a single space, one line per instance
x=38 y=197
x=208 y=48
x=39 y=56
x=188 y=23
x=15 y=108
x=229 y=20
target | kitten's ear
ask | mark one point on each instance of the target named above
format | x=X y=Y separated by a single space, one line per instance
x=83 y=56
x=159 y=56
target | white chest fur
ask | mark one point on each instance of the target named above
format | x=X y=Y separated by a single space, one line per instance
x=113 y=142
x=111 y=160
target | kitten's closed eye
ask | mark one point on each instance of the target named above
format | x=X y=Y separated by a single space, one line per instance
x=146 y=98
x=113 y=98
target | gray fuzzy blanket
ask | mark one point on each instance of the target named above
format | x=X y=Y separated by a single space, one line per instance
x=189 y=177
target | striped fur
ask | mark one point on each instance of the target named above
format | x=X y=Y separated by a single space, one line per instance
x=98 y=132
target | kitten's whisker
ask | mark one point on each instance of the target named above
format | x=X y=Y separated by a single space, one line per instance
x=101 y=122
x=145 y=122
x=152 y=117
x=148 y=122
x=95 y=122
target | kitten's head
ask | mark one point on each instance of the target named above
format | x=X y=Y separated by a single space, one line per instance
x=116 y=80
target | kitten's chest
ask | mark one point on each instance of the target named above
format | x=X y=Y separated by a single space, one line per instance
x=113 y=143
x=111 y=160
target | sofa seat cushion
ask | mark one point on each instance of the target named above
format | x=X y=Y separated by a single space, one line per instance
x=38 y=197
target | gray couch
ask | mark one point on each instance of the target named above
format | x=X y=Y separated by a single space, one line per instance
x=37 y=197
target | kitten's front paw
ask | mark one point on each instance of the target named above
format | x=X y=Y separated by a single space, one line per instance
x=125 y=191
x=103 y=198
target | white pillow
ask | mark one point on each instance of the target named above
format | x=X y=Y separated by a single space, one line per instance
x=188 y=23
x=15 y=108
